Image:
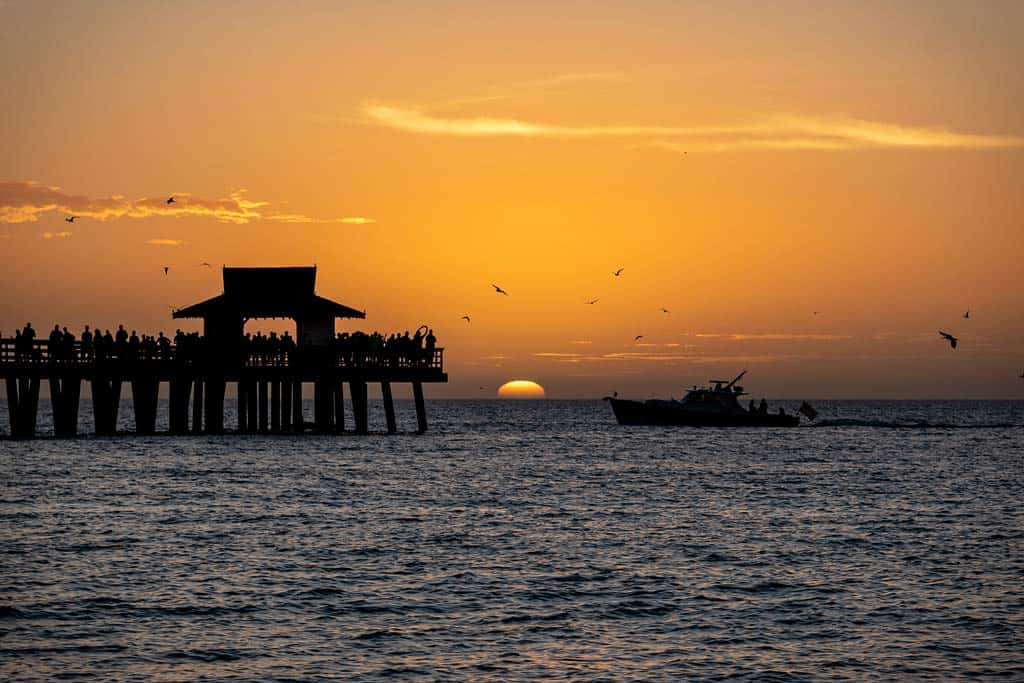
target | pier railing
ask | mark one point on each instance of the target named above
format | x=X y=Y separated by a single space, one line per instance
x=41 y=354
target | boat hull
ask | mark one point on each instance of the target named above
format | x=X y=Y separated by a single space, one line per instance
x=670 y=413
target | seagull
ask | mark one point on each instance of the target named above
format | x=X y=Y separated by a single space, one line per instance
x=814 y=313
x=950 y=338
x=204 y=263
x=638 y=338
x=967 y=313
x=592 y=302
x=170 y=200
x=618 y=272
x=499 y=290
x=70 y=219
x=166 y=268
x=466 y=318
x=665 y=310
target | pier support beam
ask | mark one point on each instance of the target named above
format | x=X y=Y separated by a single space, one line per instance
x=298 y=418
x=275 y=406
x=339 y=407
x=64 y=394
x=197 y=406
x=179 y=390
x=252 y=406
x=215 y=405
x=243 y=407
x=286 y=406
x=323 y=404
x=106 y=400
x=421 y=409
x=262 y=408
x=145 y=391
x=359 y=406
x=23 y=405
x=389 y=406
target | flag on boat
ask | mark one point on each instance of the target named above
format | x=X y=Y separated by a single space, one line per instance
x=808 y=410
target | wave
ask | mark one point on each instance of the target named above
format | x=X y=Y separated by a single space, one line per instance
x=911 y=424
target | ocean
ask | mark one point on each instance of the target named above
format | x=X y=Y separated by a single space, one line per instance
x=523 y=540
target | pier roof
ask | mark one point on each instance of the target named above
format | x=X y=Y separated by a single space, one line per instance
x=269 y=293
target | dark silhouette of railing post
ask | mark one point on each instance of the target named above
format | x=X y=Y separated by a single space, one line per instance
x=64 y=394
x=389 y=407
x=421 y=409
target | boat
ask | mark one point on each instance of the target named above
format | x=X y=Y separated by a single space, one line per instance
x=716 y=405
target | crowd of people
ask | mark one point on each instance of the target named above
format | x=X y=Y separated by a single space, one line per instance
x=349 y=349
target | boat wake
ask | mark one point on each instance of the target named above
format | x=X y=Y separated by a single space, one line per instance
x=914 y=424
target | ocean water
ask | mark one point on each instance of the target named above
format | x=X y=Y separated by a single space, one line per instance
x=524 y=541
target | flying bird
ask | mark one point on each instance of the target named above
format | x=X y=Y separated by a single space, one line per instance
x=665 y=310
x=638 y=338
x=170 y=200
x=815 y=313
x=204 y=263
x=166 y=269
x=948 y=337
x=618 y=272
x=592 y=302
x=499 y=290
x=70 y=219
x=466 y=318
x=967 y=313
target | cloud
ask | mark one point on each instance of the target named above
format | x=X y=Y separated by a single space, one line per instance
x=27 y=201
x=741 y=336
x=773 y=132
x=580 y=341
x=162 y=242
x=56 y=235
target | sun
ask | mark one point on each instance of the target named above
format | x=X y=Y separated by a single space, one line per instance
x=520 y=388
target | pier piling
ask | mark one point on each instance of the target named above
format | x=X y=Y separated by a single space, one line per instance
x=421 y=409
x=389 y=407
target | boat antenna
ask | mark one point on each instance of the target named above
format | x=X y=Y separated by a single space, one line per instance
x=738 y=378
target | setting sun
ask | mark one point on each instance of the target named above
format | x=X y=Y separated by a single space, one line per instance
x=520 y=388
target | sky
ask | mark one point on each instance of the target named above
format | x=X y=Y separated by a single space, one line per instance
x=810 y=190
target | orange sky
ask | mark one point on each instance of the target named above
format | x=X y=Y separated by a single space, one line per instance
x=864 y=160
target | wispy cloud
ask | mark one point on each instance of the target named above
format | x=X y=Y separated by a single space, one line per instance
x=525 y=88
x=163 y=242
x=581 y=341
x=771 y=132
x=27 y=201
x=57 y=235
x=742 y=336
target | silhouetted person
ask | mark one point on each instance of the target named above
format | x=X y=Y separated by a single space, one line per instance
x=763 y=407
x=751 y=408
x=54 y=343
x=120 y=341
x=86 y=343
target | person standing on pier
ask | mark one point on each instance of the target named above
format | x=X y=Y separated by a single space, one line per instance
x=86 y=343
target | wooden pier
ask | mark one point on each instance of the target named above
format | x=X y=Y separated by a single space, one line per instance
x=269 y=384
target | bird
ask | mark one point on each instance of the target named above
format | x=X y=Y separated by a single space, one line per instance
x=499 y=290
x=466 y=318
x=967 y=313
x=70 y=219
x=166 y=269
x=814 y=313
x=170 y=200
x=638 y=338
x=950 y=338
x=204 y=263
x=592 y=302
x=618 y=272
x=665 y=310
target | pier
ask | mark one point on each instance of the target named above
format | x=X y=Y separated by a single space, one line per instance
x=268 y=380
